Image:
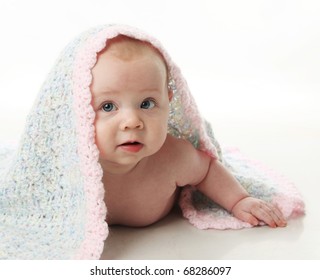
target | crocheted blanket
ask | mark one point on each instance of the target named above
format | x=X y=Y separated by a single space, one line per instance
x=51 y=192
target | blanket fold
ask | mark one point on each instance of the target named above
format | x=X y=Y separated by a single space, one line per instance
x=51 y=192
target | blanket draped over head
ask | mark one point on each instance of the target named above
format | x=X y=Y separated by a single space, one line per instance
x=51 y=192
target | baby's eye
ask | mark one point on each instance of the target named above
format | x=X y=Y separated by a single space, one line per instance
x=147 y=104
x=108 y=107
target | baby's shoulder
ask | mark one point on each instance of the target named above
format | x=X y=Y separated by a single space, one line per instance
x=178 y=146
x=183 y=152
x=190 y=164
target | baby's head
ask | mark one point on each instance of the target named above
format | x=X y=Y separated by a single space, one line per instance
x=127 y=49
x=130 y=96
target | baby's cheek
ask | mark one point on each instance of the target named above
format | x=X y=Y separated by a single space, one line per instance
x=99 y=138
x=161 y=135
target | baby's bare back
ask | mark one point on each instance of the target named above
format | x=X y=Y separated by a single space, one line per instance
x=148 y=193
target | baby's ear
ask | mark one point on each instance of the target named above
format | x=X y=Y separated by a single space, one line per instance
x=170 y=94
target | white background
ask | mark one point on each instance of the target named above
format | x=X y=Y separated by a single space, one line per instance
x=244 y=60
x=252 y=65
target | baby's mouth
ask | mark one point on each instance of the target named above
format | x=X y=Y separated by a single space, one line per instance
x=131 y=146
x=131 y=143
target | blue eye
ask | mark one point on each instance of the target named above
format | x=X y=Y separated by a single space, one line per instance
x=108 y=107
x=147 y=104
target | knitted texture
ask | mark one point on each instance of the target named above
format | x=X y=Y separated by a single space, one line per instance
x=51 y=191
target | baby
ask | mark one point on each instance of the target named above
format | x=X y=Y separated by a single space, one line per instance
x=143 y=166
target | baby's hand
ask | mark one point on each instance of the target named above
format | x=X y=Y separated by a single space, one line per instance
x=253 y=210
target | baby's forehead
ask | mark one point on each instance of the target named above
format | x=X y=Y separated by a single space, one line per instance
x=127 y=48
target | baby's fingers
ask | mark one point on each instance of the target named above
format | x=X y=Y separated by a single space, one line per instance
x=270 y=214
x=248 y=218
x=277 y=215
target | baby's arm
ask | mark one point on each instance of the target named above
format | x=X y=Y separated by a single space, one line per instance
x=210 y=177
x=221 y=186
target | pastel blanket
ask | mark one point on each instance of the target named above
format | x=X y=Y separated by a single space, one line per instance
x=51 y=192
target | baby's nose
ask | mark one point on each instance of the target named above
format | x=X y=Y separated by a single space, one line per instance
x=131 y=120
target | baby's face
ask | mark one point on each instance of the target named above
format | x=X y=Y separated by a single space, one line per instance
x=131 y=101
